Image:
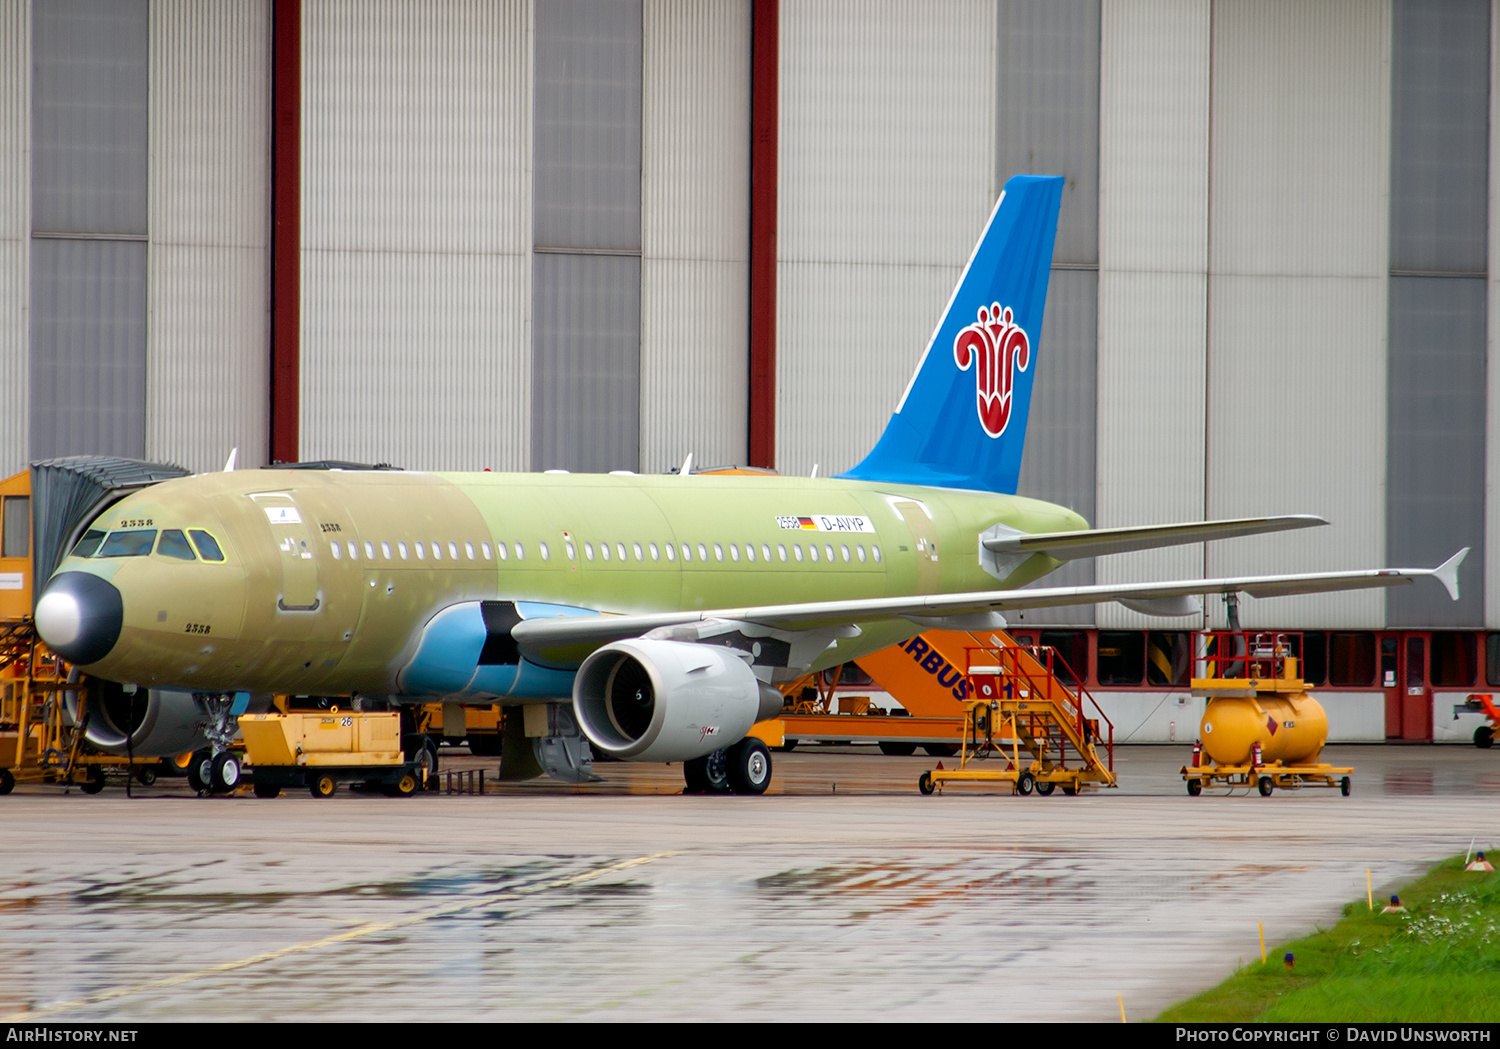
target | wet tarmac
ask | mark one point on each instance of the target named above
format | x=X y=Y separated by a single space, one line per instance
x=844 y=895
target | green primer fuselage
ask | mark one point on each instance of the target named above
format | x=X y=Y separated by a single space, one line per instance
x=282 y=613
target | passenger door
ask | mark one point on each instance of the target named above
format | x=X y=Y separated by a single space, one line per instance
x=299 y=566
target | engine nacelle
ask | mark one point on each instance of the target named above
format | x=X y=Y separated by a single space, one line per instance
x=154 y=723
x=650 y=700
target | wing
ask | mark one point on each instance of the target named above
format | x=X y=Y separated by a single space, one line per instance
x=1093 y=542
x=559 y=640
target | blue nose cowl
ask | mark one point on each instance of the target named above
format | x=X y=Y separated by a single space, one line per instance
x=80 y=616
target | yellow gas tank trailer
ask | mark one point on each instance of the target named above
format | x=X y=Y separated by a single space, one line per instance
x=1260 y=727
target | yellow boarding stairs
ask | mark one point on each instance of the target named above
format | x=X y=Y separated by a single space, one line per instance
x=1020 y=712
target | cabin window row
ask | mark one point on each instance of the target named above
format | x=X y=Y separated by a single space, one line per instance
x=437 y=551
x=750 y=553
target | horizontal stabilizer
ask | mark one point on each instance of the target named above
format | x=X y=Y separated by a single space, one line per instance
x=538 y=635
x=1095 y=542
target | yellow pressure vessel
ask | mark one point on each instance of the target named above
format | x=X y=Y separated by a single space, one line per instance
x=1291 y=729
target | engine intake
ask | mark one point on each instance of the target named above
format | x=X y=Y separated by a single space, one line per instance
x=155 y=723
x=651 y=700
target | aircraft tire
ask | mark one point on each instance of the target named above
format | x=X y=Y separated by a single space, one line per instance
x=900 y=750
x=322 y=785
x=420 y=749
x=1484 y=737
x=200 y=771
x=225 y=773
x=7 y=782
x=267 y=790
x=706 y=775
x=1045 y=787
x=749 y=766
x=1024 y=782
x=1265 y=786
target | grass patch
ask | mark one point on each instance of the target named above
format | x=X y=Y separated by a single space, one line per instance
x=1438 y=962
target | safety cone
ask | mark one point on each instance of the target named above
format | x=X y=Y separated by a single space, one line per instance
x=1479 y=863
x=1290 y=960
x=1394 y=907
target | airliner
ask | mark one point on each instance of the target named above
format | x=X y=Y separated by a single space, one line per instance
x=650 y=616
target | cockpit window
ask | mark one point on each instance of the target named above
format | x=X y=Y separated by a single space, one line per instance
x=130 y=542
x=174 y=544
x=208 y=546
x=89 y=543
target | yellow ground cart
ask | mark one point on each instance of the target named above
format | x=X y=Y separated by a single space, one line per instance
x=1261 y=726
x=321 y=749
x=1024 y=714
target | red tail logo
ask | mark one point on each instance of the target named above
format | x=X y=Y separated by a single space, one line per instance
x=1001 y=348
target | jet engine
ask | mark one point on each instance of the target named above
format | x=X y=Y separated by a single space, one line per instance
x=651 y=700
x=150 y=723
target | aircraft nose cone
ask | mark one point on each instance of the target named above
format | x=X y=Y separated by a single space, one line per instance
x=80 y=616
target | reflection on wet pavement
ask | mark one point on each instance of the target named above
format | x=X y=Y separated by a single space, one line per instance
x=544 y=903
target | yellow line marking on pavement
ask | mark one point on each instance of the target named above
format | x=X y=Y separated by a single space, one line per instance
x=359 y=932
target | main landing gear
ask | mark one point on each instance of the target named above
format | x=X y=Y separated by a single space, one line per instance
x=744 y=768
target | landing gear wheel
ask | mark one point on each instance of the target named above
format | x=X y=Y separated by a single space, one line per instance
x=1045 y=787
x=224 y=773
x=267 y=790
x=323 y=786
x=1024 y=783
x=899 y=750
x=1345 y=786
x=1266 y=786
x=707 y=775
x=940 y=750
x=1484 y=737
x=146 y=776
x=1195 y=787
x=94 y=783
x=404 y=787
x=200 y=770
x=7 y=782
x=925 y=784
x=749 y=766
x=420 y=749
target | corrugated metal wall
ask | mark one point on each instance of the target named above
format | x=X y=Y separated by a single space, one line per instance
x=695 y=219
x=586 y=281
x=209 y=275
x=886 y=177
x=1440 y=120
x=1047 y=122
x=1492 y=325
x=89 y=225
x=1297 y=349
x=15 y=228
x=1153 y=284
x=416 y=233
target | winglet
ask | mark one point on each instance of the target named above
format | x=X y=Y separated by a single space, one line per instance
x=1447 y=572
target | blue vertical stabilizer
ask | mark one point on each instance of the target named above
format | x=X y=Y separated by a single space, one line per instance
x=962 y=421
